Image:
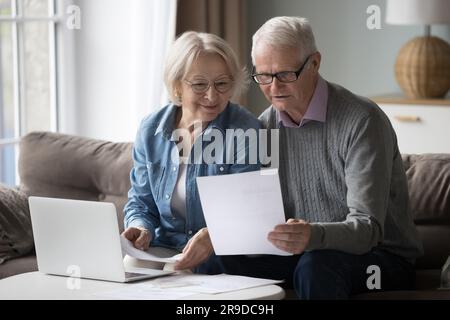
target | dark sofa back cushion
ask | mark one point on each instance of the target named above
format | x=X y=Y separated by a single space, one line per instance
x=16 y=238
x=429 y=191
x=429 y=187
x=436 y=245
x=73 y=167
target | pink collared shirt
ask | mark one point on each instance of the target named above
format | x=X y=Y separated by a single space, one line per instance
x=317 y=108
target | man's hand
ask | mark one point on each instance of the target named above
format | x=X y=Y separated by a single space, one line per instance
x=292 y=237
x=139 y=236
x=196 y=251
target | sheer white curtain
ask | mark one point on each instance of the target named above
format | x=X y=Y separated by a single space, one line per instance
x=111 y=69
x=154 y=26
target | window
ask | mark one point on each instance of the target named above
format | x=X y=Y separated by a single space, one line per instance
x=28 y=82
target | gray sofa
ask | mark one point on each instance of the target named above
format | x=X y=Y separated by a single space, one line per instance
x=58 y=165
x=72 y=167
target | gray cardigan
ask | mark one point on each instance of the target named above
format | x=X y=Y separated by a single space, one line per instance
x=346 y=177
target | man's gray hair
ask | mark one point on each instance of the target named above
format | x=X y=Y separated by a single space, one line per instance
x=286 y=32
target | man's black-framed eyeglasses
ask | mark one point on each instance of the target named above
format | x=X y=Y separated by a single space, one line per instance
x=282 y=76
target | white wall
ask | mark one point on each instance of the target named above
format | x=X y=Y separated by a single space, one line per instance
x=352 y=55
x=108 y=85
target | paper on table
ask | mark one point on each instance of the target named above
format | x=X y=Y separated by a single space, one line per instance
x=241 y=209
x=208 y=284
x=157 y=254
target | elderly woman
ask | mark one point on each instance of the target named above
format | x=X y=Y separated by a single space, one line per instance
x=202 y=75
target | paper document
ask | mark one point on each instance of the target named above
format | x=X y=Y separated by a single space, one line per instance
x=157 y=254
x=241 y=209
x=182 y=286
x=208 y=284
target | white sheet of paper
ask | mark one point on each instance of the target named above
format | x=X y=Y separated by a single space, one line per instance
x=241 y=209
x=157 y=254
x=208 y=284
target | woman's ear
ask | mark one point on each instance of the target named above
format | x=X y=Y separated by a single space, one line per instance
x=178 y=92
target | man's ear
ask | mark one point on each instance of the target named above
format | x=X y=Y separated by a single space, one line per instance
x=315 y=62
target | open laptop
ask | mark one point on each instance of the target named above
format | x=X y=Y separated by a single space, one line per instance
x=80 y=239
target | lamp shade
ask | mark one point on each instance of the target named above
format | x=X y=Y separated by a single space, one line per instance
x=418 y=12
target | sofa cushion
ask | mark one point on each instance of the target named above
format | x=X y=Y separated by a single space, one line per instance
x=429 y=187
x=429 y=192
x=16 y=237
x=436 y=245
x=429 y=279
x=27 y=263
x=74 y=167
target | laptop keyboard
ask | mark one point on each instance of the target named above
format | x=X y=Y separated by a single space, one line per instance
x=133 y=274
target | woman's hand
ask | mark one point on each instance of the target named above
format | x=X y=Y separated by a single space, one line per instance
x=139 y=236
x=197 y=250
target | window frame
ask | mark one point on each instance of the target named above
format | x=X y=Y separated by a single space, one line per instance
x=54 y=23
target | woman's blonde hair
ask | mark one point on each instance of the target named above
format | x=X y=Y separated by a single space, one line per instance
x=187 y=48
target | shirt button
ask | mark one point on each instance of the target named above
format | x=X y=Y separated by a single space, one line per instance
x=174 y=169
x=167 y=196
x=221 y=168
x=190 y=232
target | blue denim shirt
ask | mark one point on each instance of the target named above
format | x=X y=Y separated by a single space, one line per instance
x=155 y=172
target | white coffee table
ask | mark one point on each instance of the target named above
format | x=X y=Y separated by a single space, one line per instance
x=39 y=286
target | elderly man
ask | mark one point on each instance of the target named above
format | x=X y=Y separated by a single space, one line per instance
x=344 y=187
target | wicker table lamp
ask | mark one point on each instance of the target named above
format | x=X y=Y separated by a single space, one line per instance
x=422 y=67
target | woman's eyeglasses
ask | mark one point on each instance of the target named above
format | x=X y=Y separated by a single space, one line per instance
x=200 y=86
